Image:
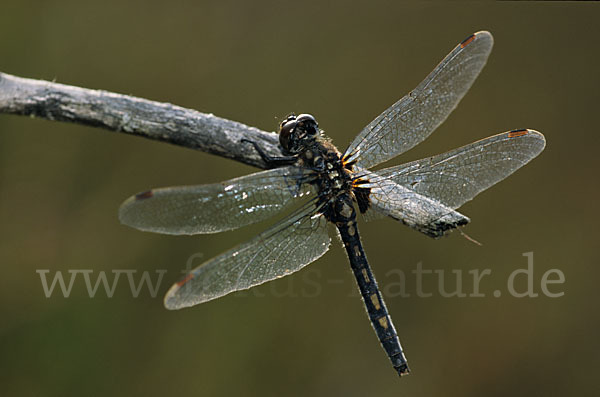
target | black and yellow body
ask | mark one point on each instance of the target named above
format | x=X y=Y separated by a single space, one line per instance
x=344 y=217
x=337 y=190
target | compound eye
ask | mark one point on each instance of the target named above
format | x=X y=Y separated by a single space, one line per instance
x=291 y=117
x=308 y=123
x=305 y=117
x=287 y=127
x=285 y=132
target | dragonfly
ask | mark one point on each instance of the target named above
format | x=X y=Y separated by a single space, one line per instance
x=318 y=185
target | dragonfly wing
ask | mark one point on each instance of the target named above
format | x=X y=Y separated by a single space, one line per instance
x=388 y=197
x=281 y=250
x=414 y=117
x=455 y=177
x=216 y=207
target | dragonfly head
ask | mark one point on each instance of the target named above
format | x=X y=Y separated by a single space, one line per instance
x=296 y=132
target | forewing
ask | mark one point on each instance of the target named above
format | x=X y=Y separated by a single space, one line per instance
x=216 y=207
x=283 y=249
x=414 y=117
x=457 y=176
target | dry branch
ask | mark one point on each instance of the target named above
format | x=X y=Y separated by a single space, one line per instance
x=130 y=115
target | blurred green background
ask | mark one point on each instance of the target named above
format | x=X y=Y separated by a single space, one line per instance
x=307 y=334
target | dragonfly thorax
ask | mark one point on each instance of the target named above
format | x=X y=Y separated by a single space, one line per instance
x=300 y=137
x=334 y=180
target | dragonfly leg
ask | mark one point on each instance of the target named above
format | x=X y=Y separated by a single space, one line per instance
x=272 y=161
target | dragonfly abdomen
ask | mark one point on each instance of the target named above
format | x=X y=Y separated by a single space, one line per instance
x=344 y=217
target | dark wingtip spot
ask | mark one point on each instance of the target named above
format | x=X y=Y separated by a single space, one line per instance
x=144 y=195
x=185 y=279
x=463 y=221
x=516 y=133
x=439 y=227
x=467 y=41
